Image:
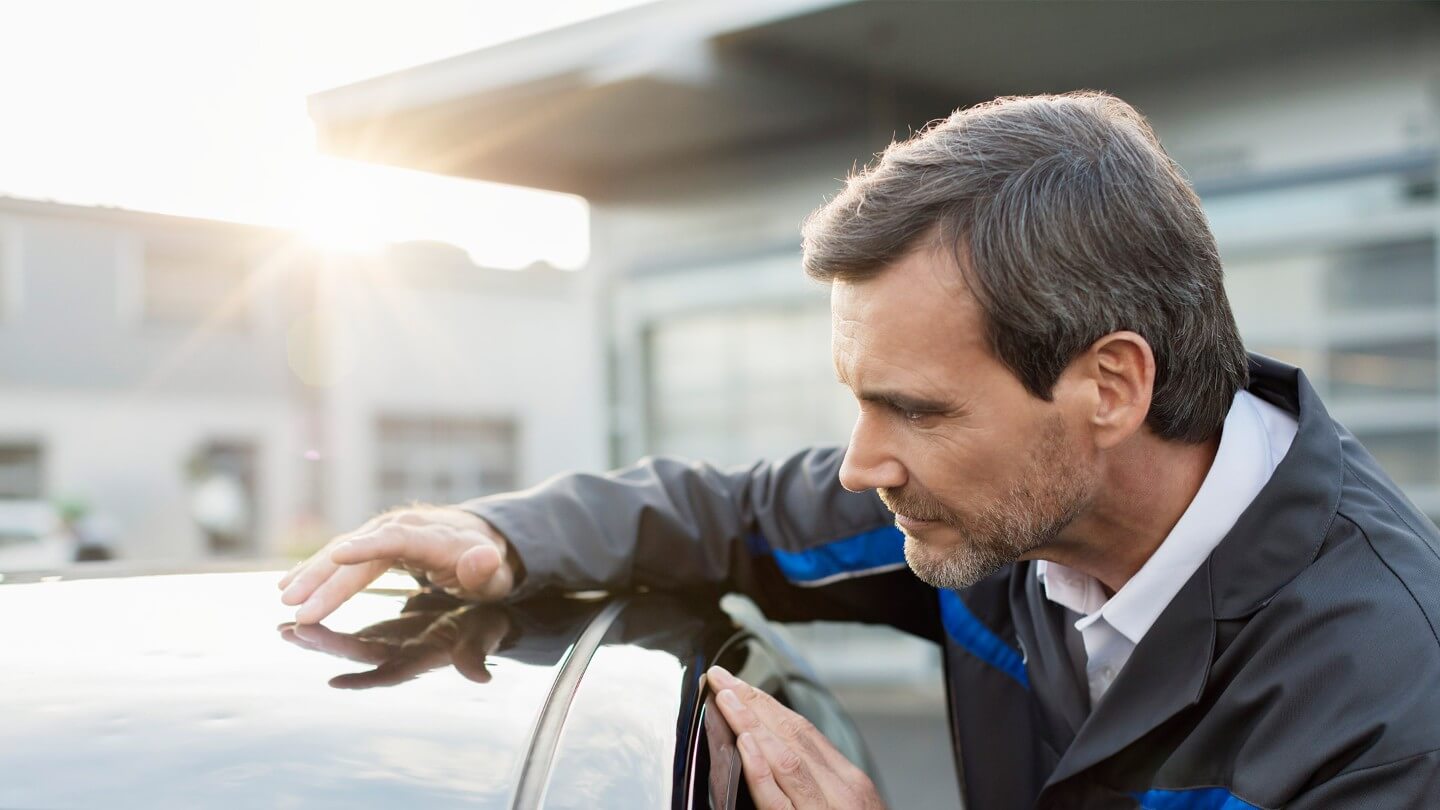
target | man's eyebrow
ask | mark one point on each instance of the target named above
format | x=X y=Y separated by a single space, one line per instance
x=905 y=402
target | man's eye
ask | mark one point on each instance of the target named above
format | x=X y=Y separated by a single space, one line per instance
x=913 y=416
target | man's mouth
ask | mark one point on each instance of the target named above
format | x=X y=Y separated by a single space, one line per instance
x=911 y=524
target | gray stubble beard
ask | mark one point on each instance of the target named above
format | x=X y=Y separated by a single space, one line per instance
x=1053 y=489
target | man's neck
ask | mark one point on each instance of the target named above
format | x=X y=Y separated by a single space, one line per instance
x=1147 y=485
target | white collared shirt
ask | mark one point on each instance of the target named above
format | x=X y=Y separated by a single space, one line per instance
x=1255 y=438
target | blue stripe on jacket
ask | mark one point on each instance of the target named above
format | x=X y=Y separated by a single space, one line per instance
x=1213 y=798
x=882 y=549
x=972 y=634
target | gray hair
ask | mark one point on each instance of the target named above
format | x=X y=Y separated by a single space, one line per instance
x=1075 y=224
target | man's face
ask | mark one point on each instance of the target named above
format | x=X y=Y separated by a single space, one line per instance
x=977 y=470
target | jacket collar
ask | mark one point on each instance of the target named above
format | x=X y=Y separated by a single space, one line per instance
x=1273 y=540
x=1294 y=510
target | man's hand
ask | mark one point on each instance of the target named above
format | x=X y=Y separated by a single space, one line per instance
x=454 y=549
x=787 y=762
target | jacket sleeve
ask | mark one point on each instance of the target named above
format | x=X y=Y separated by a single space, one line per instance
x=1410 y=782
x=784 y=533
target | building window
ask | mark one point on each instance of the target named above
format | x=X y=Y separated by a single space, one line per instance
x=21 y=471
x=755 y=382
x=441 y=459
x=183 y=283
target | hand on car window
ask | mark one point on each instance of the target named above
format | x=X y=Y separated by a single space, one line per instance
x=787 y=763
x=402 y=648
x=454 y=549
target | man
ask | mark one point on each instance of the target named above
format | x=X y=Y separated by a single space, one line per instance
x=1162 y=575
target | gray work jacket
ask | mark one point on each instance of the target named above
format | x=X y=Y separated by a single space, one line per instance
x=1298 y=667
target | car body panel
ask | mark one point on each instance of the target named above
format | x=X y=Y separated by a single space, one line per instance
x=195 y=690
x=177 y=691
x=625 y=743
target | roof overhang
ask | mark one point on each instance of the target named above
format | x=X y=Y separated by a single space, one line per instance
x=575 y=108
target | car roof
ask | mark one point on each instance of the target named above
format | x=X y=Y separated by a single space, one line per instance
x=183 y=690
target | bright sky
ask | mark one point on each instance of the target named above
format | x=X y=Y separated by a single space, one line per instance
x=198 y=108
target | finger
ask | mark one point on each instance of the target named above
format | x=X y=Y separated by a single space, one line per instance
x=472 y=668
x=782 y=721
x=324 y=552
x=316 y=571
x=342 y=645
x=427 y=547
x=792 y=770
x=810 y=770
x=482 y=630
x=288 y=634
x=739 y=716
x=740 y=702
x=765 y=792
x=290 y=575
x=787 y=764
x=793 y=732
x=482 y=573
x=397 y=670
x=345 y=583
x=400 y=629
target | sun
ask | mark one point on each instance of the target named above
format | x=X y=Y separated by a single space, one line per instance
x=357 y=208
x=339 y=211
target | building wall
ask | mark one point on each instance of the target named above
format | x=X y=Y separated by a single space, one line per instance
x=1362 y=100
x=121 y=402
x=125 y=457
x=77 y=318
x=292 y=358
x=494 y=345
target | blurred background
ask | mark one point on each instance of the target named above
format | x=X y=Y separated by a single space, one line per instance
x=268 y=268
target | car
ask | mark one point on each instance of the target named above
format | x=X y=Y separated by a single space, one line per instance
x=122 y=688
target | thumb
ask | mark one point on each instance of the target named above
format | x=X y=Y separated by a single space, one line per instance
x=481 y=571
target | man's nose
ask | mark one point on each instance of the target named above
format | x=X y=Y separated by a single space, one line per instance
x=868 y=462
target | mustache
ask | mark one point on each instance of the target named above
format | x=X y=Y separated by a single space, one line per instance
x=913 y=502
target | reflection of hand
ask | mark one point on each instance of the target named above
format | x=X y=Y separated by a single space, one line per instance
x=454 y=549
x=405 y=647
x=787 y=762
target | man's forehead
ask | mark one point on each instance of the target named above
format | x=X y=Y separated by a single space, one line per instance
x=918 y=305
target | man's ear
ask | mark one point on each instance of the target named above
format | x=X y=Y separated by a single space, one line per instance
x=1122 y=369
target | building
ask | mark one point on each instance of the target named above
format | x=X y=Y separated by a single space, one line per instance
x=207 y=389
x=141 y=355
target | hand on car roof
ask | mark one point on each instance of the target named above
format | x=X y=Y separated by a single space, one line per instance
x=454 y=549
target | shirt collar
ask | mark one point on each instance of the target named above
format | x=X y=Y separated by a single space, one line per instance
x=1243 y=464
